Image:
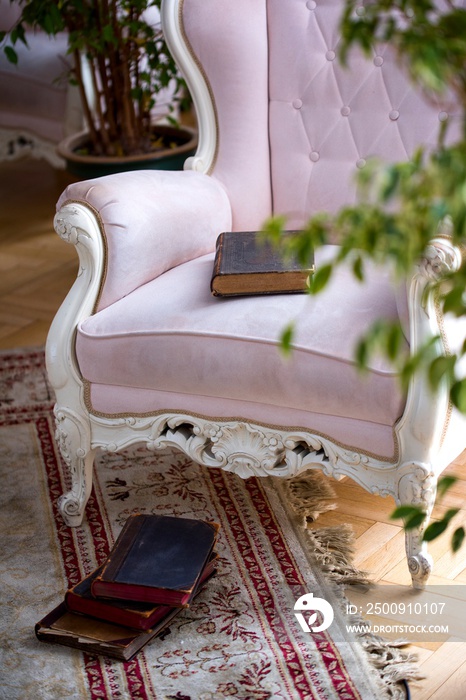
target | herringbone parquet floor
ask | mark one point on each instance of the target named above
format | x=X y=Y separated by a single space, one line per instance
x=36 y=271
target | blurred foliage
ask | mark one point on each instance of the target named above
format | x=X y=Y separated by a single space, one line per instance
x=402 y=206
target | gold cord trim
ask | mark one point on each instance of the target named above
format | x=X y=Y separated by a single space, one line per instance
x=153 y=414
x=447 y=351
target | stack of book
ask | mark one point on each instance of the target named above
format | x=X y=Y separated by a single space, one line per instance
x=156 y=568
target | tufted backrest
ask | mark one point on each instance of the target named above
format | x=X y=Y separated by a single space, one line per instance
x=229 y=43
x=294 y=125
x=327 y=120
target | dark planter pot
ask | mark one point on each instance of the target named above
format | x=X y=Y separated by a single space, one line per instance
x=88 y=166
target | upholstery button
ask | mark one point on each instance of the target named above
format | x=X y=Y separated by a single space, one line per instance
x=443 y=116
x=345 y=111
x=314 y=156
x=360 y=163
x=394 y=114
x=297 y=104
x=311 y=5
x=330 y=55
x=378 y=61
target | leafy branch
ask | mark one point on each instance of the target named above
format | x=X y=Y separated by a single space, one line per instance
x=402 y=206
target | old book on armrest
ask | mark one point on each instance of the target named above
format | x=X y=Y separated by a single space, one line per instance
x=134 y=614
x=246 y=264
x=157 y=559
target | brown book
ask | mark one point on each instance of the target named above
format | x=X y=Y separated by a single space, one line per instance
x=96 y=636
x=246 y=264
x=143 y=616
x=157 y=559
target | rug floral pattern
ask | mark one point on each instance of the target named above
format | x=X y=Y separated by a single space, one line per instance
x=239 y=639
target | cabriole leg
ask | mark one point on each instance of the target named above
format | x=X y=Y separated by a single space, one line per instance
x=418 y=487
x=73 y=441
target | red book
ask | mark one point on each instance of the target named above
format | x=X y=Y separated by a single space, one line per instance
x=157 y=559
x=141 y=616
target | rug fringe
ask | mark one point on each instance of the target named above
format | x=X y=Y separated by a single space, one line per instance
x=310 y=495
x=333 y=547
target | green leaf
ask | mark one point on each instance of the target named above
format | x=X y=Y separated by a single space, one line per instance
x=415 y=521
x=108 y=34
x=436 y=528
x=287 y=339
x=458 y=395
x=405 y=512
x=11 y=54
x=441 y=366
x=453 y=301
x=274 y=226
x=445 y=483
x=394 y=340
x=362 y=353
x=358 y=269
x=320 y=278
x=457 y=539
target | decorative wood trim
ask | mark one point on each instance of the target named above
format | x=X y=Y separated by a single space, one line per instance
x=198 y=84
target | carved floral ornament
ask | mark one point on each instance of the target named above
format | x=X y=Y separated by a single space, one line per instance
x=440 y=258
x=242 y=448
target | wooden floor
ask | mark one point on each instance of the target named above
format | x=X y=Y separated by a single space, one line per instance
x=36 y=271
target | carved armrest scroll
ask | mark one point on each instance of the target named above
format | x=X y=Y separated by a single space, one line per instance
x=440 y=258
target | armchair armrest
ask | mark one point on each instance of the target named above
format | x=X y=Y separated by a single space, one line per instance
x=441 y=256
x=427 y=419
x=149 y=221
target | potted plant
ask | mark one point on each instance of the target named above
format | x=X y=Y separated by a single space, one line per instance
x=121 y=66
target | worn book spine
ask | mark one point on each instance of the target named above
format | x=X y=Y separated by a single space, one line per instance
x=138 y=615
x=157 y=559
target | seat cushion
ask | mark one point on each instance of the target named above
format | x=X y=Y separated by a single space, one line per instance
x=171 y=345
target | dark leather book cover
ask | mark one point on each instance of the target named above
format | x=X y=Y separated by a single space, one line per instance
x=157 y=559
x=134 y=614
x=246 y=264
x=96 y=636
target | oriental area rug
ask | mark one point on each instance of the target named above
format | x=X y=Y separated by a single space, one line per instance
x=240 y=638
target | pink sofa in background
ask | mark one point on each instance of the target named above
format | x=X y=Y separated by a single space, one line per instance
x=38 y=107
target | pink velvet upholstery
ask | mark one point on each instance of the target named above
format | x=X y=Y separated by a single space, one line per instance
x=294 y=135
x=284 y=102
x=140 y=351
x=293 y=129
x=143 y=238
x=326 y=122
x=172 y=339
x=236 y=64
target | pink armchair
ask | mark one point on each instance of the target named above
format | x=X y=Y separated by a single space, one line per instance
x=142 y=352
